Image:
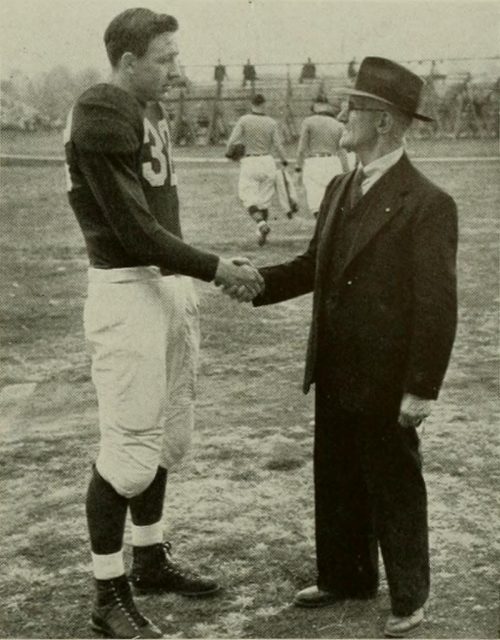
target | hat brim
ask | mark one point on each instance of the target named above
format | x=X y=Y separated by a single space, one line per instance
x=348 y=91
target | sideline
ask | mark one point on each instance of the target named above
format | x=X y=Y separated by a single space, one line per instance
x=7 y=160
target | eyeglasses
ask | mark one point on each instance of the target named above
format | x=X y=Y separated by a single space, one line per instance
x=353 y=107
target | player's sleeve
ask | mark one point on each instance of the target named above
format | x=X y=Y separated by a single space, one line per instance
x=297 y=276
x=110 y=169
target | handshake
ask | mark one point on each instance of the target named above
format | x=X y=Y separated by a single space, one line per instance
x=239 y=279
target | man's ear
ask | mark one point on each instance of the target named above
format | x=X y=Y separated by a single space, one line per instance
x=385 y=122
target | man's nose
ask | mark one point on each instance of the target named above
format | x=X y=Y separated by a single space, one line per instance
x=343 y=115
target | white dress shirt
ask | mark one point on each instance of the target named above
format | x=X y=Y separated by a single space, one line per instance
x=376 y=169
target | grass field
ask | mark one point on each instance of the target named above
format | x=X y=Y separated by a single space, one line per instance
x=50 y=144
x=240 y=507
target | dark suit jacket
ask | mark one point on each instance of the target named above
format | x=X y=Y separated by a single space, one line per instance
x=392 y=312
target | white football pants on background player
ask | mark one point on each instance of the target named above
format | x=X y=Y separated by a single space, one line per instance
x=143 y=334
x=257 y=181
x=316 y=174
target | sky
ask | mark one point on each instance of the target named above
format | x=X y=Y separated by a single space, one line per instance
x=36 y=35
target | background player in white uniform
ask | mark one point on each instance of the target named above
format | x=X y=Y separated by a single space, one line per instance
x=319 y=155
x=260 y=135
x=141 y=314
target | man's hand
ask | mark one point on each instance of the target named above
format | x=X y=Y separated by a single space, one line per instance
x=413 y=410
x=238 y=273
x=241 y=293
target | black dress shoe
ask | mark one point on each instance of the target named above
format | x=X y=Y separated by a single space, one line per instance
x=313 y=597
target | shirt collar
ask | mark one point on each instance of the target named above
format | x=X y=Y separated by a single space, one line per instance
x=376 y=169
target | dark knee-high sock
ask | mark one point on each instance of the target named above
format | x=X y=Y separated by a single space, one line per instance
x=147 y=508
x=256 y=214
x=106 y=512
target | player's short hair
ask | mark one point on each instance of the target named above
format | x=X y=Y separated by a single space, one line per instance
x=258 y=99
x=133 y=29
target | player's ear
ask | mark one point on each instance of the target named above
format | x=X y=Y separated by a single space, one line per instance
x=128 y=61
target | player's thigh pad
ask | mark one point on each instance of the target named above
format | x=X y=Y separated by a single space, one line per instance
x=182 y=362
x=125 y=330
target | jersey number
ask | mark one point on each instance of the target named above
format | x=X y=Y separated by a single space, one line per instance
x=158 y=139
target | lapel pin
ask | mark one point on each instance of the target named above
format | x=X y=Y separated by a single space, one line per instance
x=387 y=209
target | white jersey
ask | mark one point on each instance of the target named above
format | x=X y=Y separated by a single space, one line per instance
x=259 y=133
x=319 y=155
x=319 y=135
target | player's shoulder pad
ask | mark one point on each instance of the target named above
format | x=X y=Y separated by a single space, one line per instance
x=107 y=120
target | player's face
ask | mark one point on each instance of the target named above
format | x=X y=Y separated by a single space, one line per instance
x=360 y=117
x=158 y=67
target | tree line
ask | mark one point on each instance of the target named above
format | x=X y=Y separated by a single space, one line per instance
x=46 y=98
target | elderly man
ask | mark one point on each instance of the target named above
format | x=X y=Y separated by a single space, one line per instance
x=382 y=268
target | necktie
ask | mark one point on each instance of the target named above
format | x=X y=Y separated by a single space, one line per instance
x=356 y=193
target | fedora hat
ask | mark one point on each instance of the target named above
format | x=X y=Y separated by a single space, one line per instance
x=389 y=82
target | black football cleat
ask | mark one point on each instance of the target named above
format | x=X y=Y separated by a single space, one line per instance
x=153 y=571
x=115 y=615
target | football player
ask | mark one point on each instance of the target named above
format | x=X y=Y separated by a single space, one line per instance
x=141 y=313
x=319 y=154
x=259 y=133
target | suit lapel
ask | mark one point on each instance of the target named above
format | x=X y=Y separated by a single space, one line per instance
x=324 y=248
x=386 y=201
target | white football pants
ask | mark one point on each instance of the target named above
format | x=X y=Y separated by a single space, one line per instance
x=257 y=181
x=143 y=335
x=316 y=174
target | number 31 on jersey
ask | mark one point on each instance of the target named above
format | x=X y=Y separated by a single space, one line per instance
x=159 y=142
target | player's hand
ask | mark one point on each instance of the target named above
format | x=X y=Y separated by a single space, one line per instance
x=238 y=272
x=414 y=410
x=241 y=293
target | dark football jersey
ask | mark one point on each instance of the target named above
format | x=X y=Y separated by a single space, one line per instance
x=122 y=185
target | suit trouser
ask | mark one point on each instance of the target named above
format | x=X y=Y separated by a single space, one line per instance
x=369 y=492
